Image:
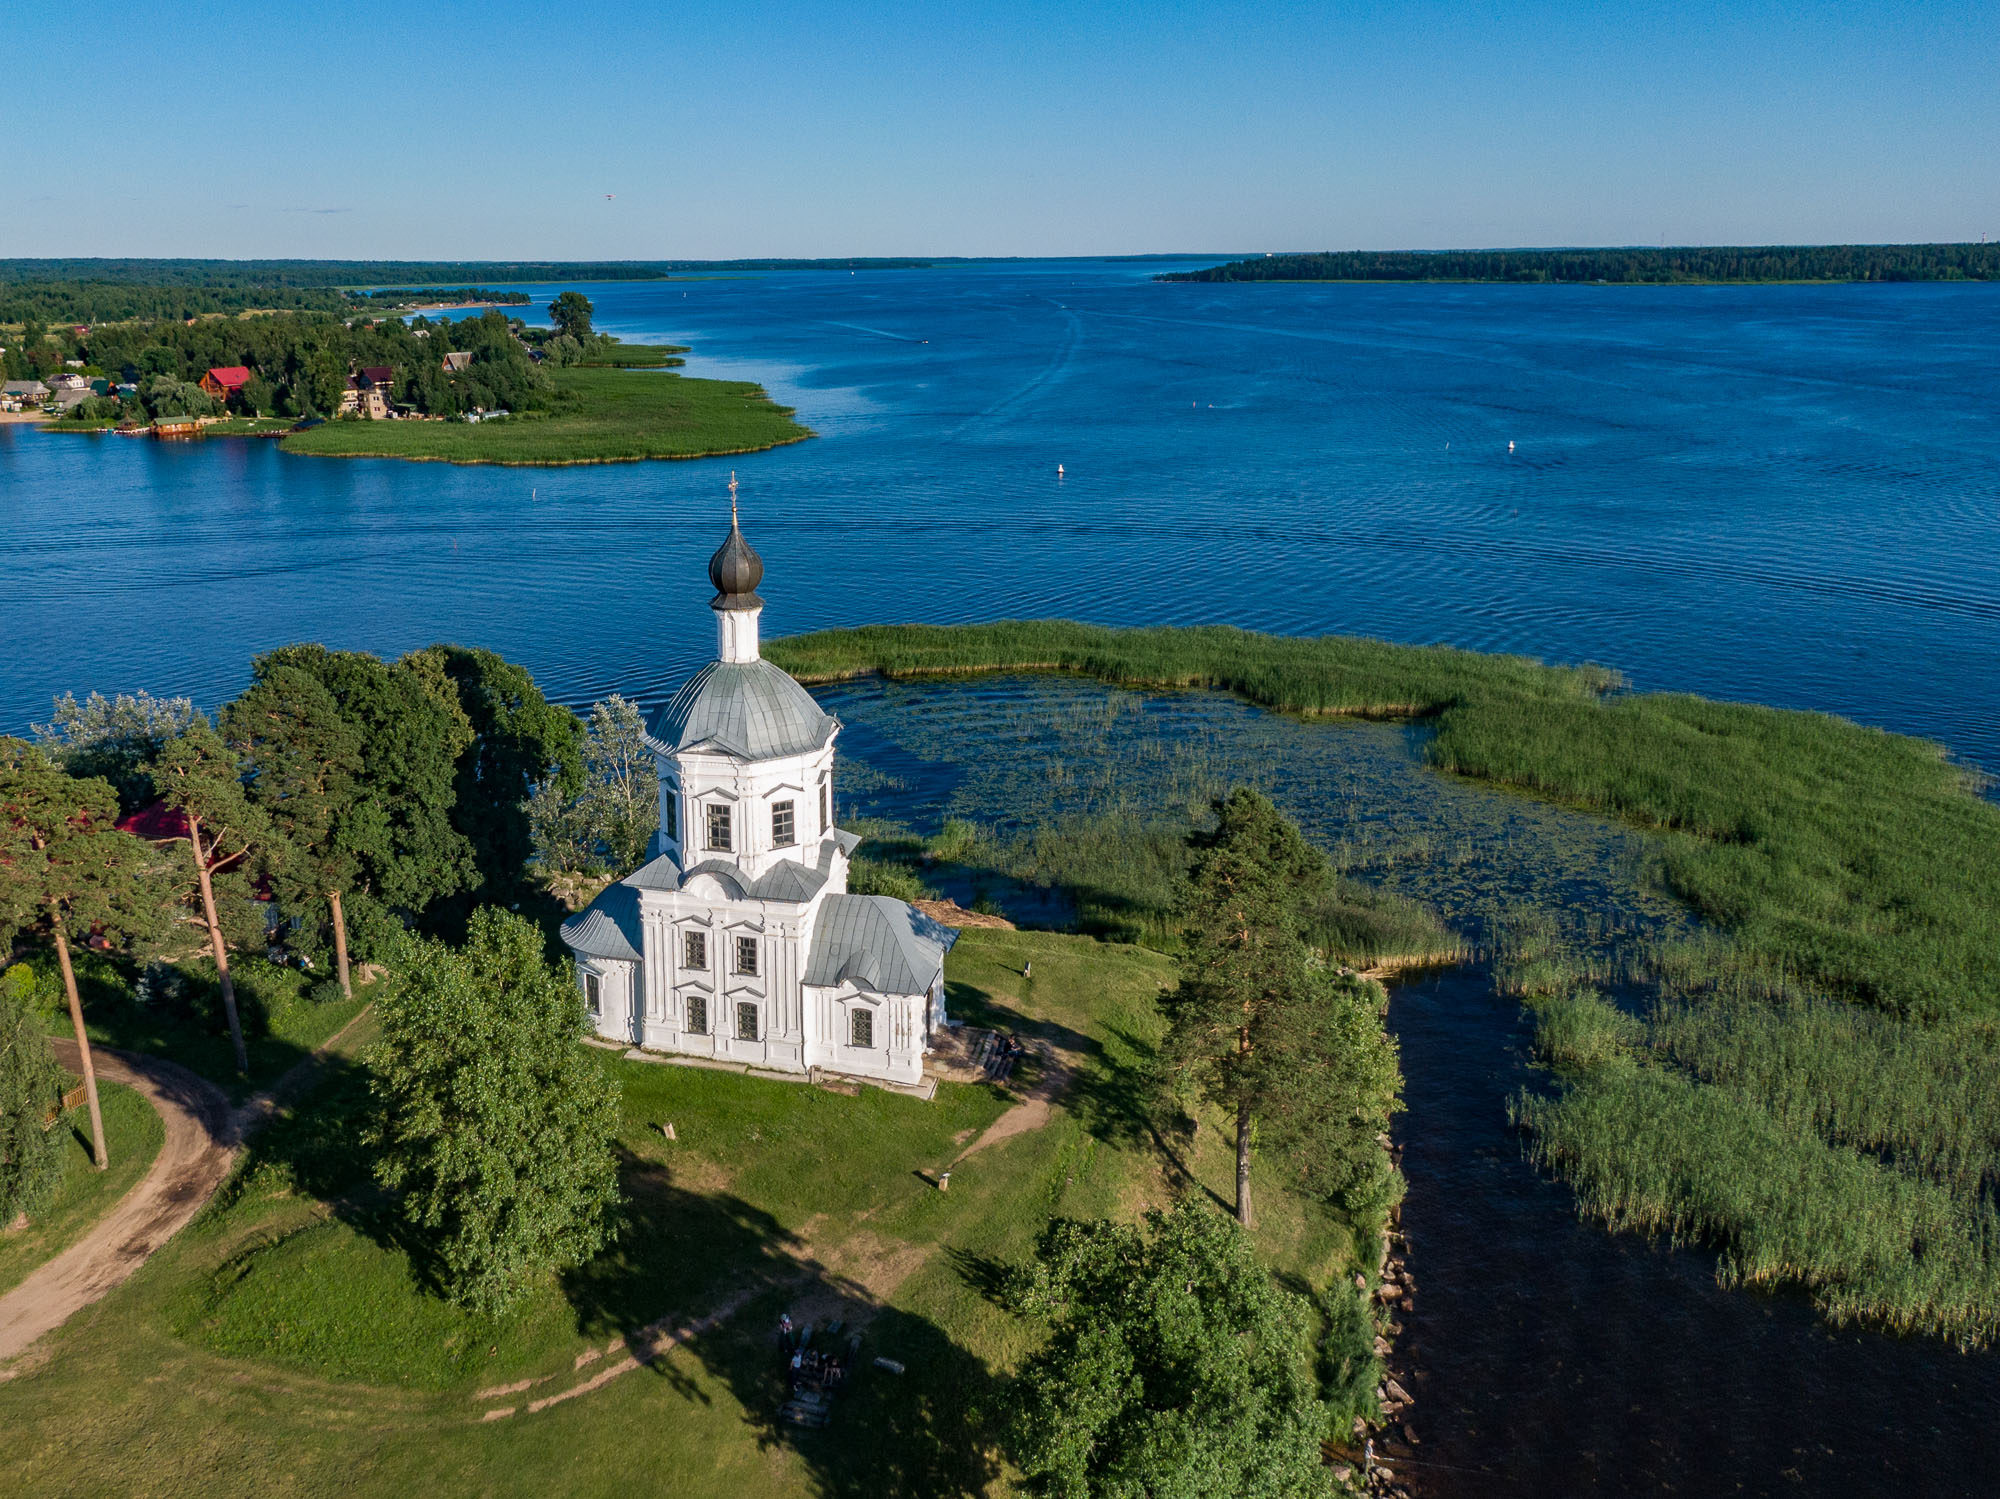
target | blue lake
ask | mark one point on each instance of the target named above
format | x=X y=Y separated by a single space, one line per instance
x=1790 y=494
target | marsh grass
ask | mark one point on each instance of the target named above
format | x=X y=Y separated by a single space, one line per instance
x=1815 y=1142
x=1861 y=861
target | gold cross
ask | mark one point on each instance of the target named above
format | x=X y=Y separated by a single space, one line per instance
x=732 y=499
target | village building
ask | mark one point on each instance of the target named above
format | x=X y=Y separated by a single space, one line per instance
x=457 y=360
x=224 y=380
x=369 y=393
x=738 y=940
x=20 y=395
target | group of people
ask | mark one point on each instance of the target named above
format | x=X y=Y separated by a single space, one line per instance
x=807 y=1366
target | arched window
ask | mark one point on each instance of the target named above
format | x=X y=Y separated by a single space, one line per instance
x=860 y=1027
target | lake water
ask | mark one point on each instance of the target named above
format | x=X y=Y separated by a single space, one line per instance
x=1785 y=494
x=1790 y=494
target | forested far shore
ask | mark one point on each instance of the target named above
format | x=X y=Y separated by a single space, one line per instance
x=1623 y=266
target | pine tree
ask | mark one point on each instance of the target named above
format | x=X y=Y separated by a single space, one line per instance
x=1259 y=1022
x=305 y=766
x=226 y=836
x=67 y=873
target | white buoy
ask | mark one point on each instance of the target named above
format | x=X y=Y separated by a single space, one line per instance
x=1059 y=470
x=1510 y=445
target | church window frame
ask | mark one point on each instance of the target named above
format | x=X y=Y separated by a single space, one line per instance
x=593 y=994
x=825 y=808
x=746 y=956
x=697 y=1014
x=784 y=832
x=861 y=1028
x=670 y=805
x=749 y=1021
x=694 y=950
x=721 y=833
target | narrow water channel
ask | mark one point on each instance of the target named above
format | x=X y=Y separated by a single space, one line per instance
x=1547 y=1356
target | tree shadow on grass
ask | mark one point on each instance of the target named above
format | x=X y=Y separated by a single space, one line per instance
x=682 y=1255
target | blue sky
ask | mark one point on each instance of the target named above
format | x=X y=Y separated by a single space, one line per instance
x=497 y=130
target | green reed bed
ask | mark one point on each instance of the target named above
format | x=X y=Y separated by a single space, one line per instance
x=1817 y=1143
x=1816 y=1088
x=1651 y=1149
x=1863 y=861
x=1323 y=674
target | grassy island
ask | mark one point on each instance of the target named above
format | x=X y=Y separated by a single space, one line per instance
x=1816 y=1086
x=598 y=415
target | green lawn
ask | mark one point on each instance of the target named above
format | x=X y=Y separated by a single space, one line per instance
x=282 y=1024
x=283 y=1345
x=603 y=416
x=133 y=1134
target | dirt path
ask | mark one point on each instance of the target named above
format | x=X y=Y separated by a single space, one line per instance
x=1036 y=1104
x=203 y=1135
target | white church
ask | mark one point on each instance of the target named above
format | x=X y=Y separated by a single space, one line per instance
x=737 y=939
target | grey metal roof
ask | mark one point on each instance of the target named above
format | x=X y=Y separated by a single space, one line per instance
x=789 y=881
x=24 y=388
x=608 y=927
x=881 y=943
x=660 y=874
x=748 y=709
x=848 y=842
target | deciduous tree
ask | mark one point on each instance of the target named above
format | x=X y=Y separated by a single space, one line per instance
x=495 y=1123
x=30 y=1085
x=1174 y=1368
x=570 y=312
x=519 y=739
x=67 y=873
x=116 y=738
x=612 y=819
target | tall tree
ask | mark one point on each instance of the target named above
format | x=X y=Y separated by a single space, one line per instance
x=115 y=738
x=408 y=855
x=199 y=776
x=305 y=765
x=570 y=312
x=495 y=1123
x=30 y=1084
x=67 y=872
x=519 y=740
x=1174 y=1368
x=1258 y=1022
x=613 y=818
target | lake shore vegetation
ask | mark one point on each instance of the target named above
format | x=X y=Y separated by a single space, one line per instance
x=1839 y=1018
x=1624 y=265
x=483 y=389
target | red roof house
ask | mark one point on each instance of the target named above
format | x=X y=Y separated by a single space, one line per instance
x=224 y=380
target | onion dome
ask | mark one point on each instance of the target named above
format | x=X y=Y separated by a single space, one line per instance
x=735 y=570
